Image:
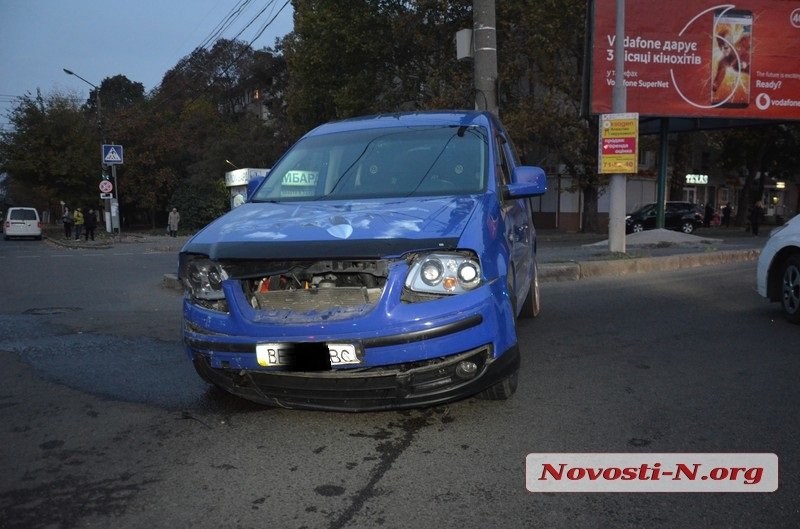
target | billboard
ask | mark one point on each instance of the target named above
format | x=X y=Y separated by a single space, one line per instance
x=698 y=58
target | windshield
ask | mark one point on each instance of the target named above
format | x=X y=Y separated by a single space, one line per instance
x=646 y=210
x=377 y=163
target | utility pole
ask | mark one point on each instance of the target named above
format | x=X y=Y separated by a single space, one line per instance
x=619 y=182
x=484 y=37
x=110 y=205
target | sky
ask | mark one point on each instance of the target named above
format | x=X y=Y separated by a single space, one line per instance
x=140 y=39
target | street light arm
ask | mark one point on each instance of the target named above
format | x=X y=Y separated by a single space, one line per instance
x=70 y=72
x=97 y=101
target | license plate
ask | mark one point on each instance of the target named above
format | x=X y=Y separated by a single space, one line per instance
x=280 y=354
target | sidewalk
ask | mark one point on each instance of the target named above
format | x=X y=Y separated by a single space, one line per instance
x=570 y=257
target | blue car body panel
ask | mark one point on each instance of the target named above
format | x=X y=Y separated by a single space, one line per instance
x=397 y=335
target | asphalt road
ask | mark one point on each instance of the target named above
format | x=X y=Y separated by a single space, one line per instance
x=103 y=422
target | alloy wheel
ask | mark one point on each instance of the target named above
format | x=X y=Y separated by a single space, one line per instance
x=791 y=289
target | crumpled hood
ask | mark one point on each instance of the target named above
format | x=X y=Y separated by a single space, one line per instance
x=375 y=227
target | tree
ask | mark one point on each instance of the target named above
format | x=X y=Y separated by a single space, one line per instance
x=216 y=75
x=757 y=153
x=50 y=152
x=371 y=56
x=541 y=55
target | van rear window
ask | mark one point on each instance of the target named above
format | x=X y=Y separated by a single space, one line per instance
x=22 y=214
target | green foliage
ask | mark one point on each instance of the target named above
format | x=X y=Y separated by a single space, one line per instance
x=200 y=201
x=371 y=56
x=50 y=154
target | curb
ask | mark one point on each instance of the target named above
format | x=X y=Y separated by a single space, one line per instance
x=575 y=270
x=78 y=244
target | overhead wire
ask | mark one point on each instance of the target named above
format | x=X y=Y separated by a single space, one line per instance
x=234 y=14
x=224 y=24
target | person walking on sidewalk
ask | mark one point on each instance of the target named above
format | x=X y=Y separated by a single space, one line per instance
x=78 y=223
x=90 y=223
x=755 y=216
x=67 y=220
x=174 y=219
x=726 y=215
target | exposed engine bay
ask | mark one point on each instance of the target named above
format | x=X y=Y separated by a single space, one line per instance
x=300 y=286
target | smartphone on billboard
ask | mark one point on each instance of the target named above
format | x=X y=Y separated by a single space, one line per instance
x=730 y=61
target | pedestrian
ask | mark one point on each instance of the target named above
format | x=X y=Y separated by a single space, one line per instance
x=709 y=214
x=755 y=216
x=90 y=223
x=67 y=220
x=78 y=217
x=172 y=224
x=726 y=215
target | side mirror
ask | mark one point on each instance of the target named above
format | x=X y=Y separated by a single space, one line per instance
x=253 y=184
x=528 y=182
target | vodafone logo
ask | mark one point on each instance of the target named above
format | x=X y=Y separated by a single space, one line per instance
x=762 y=101
x=794 y=18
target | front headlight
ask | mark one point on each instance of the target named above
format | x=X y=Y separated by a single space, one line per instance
x=443 y=273
x=203 y=278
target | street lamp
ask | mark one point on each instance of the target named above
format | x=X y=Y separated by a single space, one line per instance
x=231 y=164
x=109 y=206
x=97 y=101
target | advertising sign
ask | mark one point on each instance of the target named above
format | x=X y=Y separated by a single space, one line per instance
x=617 y=150
x=700 y=58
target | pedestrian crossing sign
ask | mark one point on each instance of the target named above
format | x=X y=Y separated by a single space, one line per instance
x=112 y=154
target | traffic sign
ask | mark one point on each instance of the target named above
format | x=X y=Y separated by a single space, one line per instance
x=106 y=196
x=106 y=186
x=112 y=154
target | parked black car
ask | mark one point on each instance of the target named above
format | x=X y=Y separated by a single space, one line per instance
x=682 y=216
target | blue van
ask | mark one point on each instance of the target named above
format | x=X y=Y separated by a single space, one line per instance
x=382 y=263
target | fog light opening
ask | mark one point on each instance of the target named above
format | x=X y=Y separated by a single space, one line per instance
x=466 y=370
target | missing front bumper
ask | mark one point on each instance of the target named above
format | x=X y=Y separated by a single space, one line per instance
x=408 y=385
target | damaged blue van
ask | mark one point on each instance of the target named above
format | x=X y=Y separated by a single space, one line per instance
x=381 y=264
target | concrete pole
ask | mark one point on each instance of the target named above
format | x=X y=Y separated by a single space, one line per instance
x=484 y=38
x=662 y=172
x=619 y=182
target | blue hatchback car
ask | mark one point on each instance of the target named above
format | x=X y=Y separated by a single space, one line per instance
x=381 y=264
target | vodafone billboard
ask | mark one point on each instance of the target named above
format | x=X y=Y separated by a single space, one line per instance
x=696 y=58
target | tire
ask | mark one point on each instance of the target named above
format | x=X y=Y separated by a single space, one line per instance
x=202 y=374
x=531 y=307
x=687 y=227
x=638 y=227
x=503 y=390
x=790 y=288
